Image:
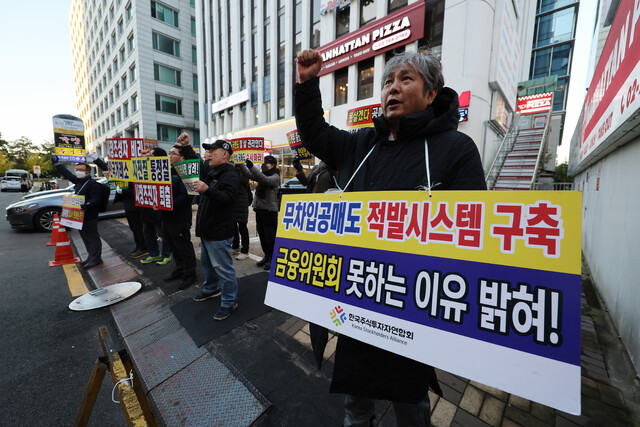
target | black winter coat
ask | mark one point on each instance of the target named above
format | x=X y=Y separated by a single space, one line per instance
x=215 y=218
x=87 y=187
x=242 y=202
x=454 y=164
x=181 y=212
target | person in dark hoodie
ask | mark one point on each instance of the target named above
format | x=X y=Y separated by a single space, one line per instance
x=176 y=225
x=414 y=145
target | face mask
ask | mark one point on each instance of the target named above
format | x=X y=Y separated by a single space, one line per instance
x=81 y=174
x=265 y=167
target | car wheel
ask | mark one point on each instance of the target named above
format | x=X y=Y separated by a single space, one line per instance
x=43 y=220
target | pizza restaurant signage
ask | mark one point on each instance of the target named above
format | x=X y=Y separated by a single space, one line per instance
x=401 y=27
x=538 y=103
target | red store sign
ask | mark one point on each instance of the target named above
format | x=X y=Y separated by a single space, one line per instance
x=401 y=27
x=539 y=103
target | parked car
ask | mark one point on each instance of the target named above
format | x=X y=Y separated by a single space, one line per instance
x=37 y=212
x=292 y=186
x=8 y=183
x=47 y=192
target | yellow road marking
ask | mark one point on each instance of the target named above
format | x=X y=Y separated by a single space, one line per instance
x=75 y=280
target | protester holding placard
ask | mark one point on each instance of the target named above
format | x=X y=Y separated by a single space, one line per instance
x=176 y=227
x=265 y=204
x=414 y=145
x=215 y=225
x=240 y=246
x=88 y=187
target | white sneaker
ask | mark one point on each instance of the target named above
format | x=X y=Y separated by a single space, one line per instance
x=242 y=256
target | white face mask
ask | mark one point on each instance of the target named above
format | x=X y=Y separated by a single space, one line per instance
x=81 y=174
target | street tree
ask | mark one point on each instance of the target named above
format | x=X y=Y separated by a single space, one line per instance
x=19 y=150
x=5 y=163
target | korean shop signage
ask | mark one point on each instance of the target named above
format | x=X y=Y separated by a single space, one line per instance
x=614 y=94
x=538 y=103
x=401 y=27
x=491 y=274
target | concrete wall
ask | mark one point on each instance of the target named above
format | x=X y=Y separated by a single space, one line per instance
x=611 y=237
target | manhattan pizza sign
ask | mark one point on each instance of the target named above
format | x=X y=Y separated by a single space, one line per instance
x=539 y=103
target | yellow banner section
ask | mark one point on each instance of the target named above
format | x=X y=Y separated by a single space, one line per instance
x=69 y=131
x=525 y=229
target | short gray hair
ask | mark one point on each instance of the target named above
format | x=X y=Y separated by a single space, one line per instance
x=425 y=64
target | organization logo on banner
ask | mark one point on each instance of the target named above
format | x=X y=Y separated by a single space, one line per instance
x=338 y=316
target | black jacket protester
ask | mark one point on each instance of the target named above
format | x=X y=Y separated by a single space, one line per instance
x=87 y=187
x=454 y=164
x=215 y=217
x=181 y=212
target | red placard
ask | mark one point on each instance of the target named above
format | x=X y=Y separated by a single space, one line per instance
x=153 y=196
x=363 y=116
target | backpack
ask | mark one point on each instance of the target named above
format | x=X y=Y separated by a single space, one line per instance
x=105 y=191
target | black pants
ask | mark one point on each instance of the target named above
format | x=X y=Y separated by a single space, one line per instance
x=178 y=236
x=267 y=224
x=91 y=239
x=241 y=235
x=135 y=225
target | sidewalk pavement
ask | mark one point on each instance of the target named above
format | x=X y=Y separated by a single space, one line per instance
x=262 y=373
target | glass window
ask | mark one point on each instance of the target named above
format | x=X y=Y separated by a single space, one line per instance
x=196 y=110
x=555 y=27
x=315 y=24
x=133 y=74
x=119 y=115
x=365 y=79
x=131 y=43
x=166 y=44
x=195 y=82
x=164 y=14
x=341 y=86
x=166 y=75
x=546 y=5
x=129 y=12
x=125 y=109
x=367 y=12
x=124 y=82
x=560 y=94
x=342 y=20
x=168 y=104
x=194 y=55
x=395 y=4
x=433 y=27
x=560 y=60
x=540 y=63
x=120 y=26
x=193 y=26
x=168 y=133
x=134 y=102
x=117 y=89
x=123 y=56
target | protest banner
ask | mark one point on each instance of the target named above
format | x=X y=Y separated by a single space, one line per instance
x=248 y=149
x=295 y=143
x=483 y=284
x=189 y=171
x=362 y=116
x=72 y=214
x=68 y=138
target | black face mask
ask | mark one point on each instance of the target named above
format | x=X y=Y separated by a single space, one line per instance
x=265 y=167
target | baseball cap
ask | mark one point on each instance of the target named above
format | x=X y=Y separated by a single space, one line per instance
x=221 y=143
x=270 y=159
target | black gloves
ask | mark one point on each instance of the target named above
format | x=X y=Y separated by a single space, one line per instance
x=297 y=165
x=55 y=160
x=249 y=163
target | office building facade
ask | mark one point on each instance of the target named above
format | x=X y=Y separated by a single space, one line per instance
x=135 y=69
x=247 y=48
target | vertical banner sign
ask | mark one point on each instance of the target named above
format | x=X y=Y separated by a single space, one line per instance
x=482 y=284
x=295 y=143
x=72 y=213
x=613 y=97
x=68 y=138
x=362 y=117
x=248 y=149
x=189 y=171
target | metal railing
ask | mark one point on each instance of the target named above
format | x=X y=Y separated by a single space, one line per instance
x=541 y=151
x=505 y=148
x=553 y=186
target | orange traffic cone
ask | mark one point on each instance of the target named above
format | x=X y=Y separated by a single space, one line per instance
x=64 y=253
x=54 y=231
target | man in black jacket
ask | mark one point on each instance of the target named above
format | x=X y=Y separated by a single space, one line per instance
x=176 y=226
x=89 y=188
x=417 y=133
x=215 y=225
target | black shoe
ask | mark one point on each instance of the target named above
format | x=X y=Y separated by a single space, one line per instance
x=224 y=312
x=92 y=264
x=175 y=275
x=204 y=296
x=140 y=253
x=267 y=266
x=133 y=251
x=186 y=282
x=262 y=262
